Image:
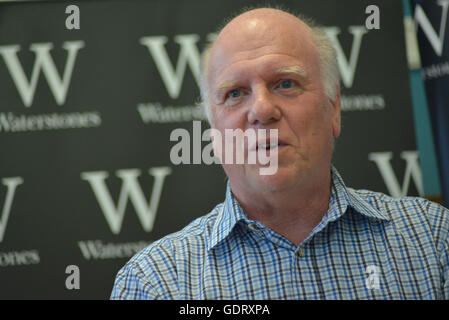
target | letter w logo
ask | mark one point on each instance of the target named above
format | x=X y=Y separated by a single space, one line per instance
x=437 y=41
x=11 y=184
x=44 y=62
x=412 y=170
x=189 y=55
x=347 y=67
x=130 y=190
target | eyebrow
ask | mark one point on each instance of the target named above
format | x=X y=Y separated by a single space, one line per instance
x=297 y=70
x=293 y=69
x=226 y=84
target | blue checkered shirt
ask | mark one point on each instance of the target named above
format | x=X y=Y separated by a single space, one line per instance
x=367 y=246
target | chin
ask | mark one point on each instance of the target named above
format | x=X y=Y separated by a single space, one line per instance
x=280 y=180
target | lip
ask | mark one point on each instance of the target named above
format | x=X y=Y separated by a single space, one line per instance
x=281 y=143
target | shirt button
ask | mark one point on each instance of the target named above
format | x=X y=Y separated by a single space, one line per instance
x=301 y=253
x=253 y=226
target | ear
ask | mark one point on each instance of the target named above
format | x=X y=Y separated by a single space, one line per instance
x=336 y=113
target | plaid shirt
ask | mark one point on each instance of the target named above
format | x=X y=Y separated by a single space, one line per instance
x=367 y=246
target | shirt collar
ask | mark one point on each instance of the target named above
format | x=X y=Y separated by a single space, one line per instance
x=342 y=197
x=229 y=214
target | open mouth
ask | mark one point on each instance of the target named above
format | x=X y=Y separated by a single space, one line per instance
x=269 y=146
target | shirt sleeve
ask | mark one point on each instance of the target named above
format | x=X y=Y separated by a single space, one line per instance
x=444 y=260
x=440 y=225
x=130 y=285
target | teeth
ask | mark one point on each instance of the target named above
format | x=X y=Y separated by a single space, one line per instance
x=266 y=146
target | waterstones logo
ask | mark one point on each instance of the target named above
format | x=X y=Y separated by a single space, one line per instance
x=435 y=39
x=10 y=122
x=130 y=190
x=412 y=172
x=43 y=62
x=189 y=55
x=156 y=113
x=347 y=66
x=97 y=250
x=19 y=258
x=59 y=85
x=11 y=185
x=16 y=257
x=172 y=77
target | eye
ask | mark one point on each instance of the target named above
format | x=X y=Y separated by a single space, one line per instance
x=286 y=84
x=233 y=97
x=235 y=93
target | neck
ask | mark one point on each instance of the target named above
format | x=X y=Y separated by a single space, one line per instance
x=292 y=212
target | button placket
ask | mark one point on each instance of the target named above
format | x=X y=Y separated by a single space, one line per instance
x=301 y=253
x=256 y=229
x=253 y=226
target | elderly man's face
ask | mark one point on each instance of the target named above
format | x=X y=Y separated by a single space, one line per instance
x=264 y=73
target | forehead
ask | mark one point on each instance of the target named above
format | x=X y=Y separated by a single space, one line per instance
x=258 y=40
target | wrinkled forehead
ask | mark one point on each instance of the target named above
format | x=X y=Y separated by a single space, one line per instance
x=254 y=35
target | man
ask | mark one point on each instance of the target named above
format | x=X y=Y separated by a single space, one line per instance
x=299 y=233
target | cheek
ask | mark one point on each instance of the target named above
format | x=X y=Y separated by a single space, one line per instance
x=311 y=126
x=229 y=119
x=307 y=120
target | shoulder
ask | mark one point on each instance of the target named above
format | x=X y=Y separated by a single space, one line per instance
x=412 y=214
x=411 y=207
x=153 y=270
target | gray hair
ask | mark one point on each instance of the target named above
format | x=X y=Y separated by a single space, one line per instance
x=327 y=59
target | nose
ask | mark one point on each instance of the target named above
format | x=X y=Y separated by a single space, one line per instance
x=263 y=109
